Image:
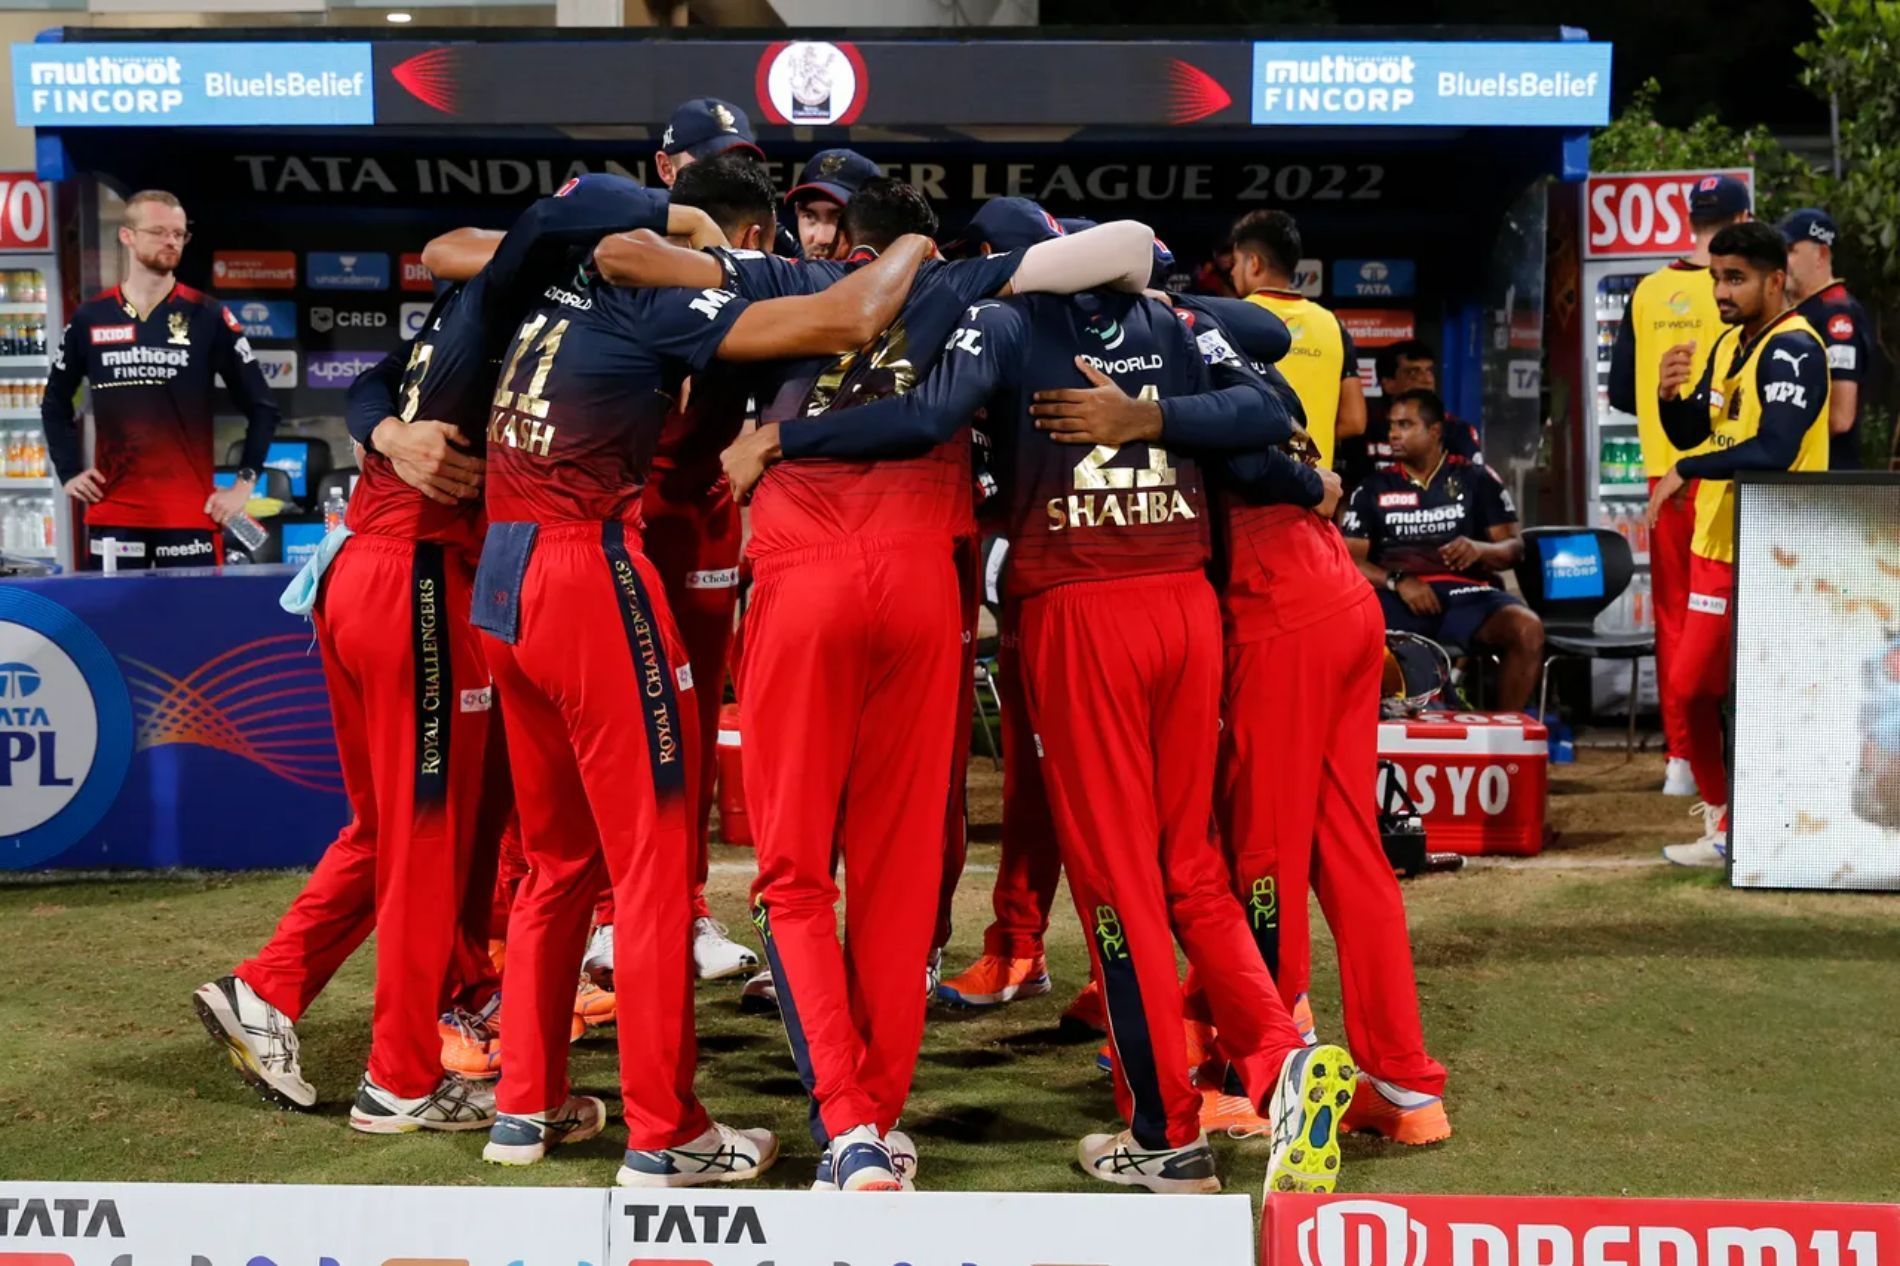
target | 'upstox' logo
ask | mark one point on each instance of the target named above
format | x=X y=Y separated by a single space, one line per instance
x=65 y=729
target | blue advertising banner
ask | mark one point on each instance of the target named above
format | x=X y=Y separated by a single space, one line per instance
x=265 y=318
x=191 y=85
x=161 y=719
x=347 y=270
x=1374 y=278
x=1558 y=84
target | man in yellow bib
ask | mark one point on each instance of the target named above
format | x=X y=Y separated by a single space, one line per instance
x=1322 y=366
x=1675 y=304
x=1761 y=404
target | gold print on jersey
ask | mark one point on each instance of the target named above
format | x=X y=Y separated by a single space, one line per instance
x=1116 y=508
x=515 y=420
x=412 y=375
x=854 y=379
x=180 y=336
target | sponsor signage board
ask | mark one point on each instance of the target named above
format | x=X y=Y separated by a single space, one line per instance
x=1643 y=213
x=113 y=84
x=1441 y=83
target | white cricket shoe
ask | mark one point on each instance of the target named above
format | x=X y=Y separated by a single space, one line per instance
x=1117 y=1158
x=1315 y=1089
x=1711 y=851
x=720 y=1155
x=598 y=963
x=259 y=1039
x=1678 y=778
x=716 y=955
x=523 y=1139
x=455 y=1104
x=933 y=975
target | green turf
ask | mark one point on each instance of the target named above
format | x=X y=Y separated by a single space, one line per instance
x=1609 y=1030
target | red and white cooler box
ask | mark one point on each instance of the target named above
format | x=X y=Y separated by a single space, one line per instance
x=1480 y=779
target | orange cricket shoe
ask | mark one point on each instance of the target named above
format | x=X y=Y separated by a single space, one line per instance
x=1087 y=1010
x=1303 y=1020
x=593 y=1005
x=993 y=980
x=498 y=953
x=1414 y=1124
x=1233 y=1115
x=1204 y=1062
x=471 y=1043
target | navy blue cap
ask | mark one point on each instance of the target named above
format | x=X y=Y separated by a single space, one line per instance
x=1809 y=224
x=1010 y=224
x=834 y=174
x=706 y=126
x=1719 y=196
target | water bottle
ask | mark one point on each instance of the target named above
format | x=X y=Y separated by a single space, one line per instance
x=247 y=532
x=334 y=507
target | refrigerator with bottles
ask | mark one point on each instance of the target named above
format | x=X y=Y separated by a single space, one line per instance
x=1633 y=224
x=35 y=517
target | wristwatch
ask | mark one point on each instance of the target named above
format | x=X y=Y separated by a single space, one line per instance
x=1392 y=579
x=245 y=475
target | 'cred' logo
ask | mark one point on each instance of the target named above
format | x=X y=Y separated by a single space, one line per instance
x=1362 y=1233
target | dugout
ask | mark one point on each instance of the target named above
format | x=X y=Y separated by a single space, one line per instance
x=1414 y=159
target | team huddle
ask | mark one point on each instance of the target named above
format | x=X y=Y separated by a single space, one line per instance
x=526 y=619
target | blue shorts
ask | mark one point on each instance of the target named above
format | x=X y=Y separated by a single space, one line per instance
x=1467 y=605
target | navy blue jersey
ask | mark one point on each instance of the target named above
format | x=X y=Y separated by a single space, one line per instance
x=152 y=404
x=1852 y=356
x=584 y=391
x=1408 y=523
x=1074 y=513
x=446 y=372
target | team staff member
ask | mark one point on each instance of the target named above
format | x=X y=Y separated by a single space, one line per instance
x=599 y=709
x=825 y=187
x=1409 y=365
x=1322 y=365
x=1761 y=403
x=150 y=347
x=1120 y=640
x=1431 y=532
x=1675 y=304
x=1822 y=300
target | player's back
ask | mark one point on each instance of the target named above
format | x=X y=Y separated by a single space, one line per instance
x=447 y=378
x=583 y=391
x=808 y=503
x=1107 y=512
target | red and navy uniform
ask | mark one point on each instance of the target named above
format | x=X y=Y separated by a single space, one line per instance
x=856 y=614
x=1361 y=456
x=599 y=705
x=151 y=398
x=409 y=685
x=1304 y=650
x=1408 y=523
x=1120 y=654
x=1852 y=356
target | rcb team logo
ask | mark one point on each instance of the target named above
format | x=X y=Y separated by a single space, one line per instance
x=180 y=336
x=812 y=83
x=65 y=729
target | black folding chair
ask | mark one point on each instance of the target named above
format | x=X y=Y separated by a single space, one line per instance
x=1569 y=576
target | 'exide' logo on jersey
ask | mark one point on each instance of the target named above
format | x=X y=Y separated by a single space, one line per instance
x=114 y=334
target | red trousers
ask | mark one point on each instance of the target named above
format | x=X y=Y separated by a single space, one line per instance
x=956 y=825
x=1698 y=678
x=1669 y=597
x=410 y=697
x=1031 y=866
x=1123 y=683
x=847 y=697
x=695 y=548
x=601 y=720
x=1297 y=808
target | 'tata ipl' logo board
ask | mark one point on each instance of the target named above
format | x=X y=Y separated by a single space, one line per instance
x=65 y=729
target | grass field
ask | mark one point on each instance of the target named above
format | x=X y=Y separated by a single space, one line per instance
x=1611 y=1027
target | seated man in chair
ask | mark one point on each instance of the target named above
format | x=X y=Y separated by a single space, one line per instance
x=1431 y=532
